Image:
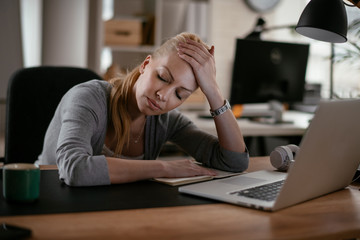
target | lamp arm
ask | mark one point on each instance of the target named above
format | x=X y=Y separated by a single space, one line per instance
x=279 y=27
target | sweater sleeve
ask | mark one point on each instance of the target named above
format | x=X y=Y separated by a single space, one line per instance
x=82 y=116
x=205 y=147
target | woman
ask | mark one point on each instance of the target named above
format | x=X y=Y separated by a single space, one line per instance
x=106 y=132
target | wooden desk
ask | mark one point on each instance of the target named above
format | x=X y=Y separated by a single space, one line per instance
x=334 y=216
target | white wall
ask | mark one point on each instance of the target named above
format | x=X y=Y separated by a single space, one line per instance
x=10 y=42
x=31 y=29
x=65 y=32
x=10 y=50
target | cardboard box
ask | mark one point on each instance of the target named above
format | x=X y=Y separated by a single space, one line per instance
x=124 y=31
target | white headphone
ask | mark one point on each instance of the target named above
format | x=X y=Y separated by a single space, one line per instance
x=283 y=156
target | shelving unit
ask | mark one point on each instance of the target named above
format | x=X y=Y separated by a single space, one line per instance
x=171 y=17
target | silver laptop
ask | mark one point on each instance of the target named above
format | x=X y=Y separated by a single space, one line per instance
x=327 y=161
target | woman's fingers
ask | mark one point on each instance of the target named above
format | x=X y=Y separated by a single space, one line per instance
x=187 y=168
x=194 y=50
x=202 y=62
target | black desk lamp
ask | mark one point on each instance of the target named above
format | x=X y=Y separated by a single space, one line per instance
x=326 y=20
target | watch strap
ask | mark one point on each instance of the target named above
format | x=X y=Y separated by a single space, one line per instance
x=221 y=110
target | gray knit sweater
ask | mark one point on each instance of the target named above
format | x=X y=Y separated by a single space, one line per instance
x=76 y=135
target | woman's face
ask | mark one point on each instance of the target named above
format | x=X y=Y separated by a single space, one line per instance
x=164 y=84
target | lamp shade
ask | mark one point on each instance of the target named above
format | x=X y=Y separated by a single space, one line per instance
x=324 y=20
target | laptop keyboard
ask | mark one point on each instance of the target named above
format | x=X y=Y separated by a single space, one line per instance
x=267 y=192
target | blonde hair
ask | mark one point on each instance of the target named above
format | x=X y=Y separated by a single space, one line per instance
x=122 y=87
x=171 y=44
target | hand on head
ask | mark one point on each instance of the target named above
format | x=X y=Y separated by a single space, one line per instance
x=202 y=62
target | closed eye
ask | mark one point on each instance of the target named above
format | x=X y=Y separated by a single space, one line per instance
x=166 y=81
x=162 y=79
x=178 y=95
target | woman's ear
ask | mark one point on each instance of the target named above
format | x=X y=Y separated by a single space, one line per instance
x=145 y=63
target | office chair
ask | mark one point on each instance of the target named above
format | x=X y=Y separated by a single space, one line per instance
x=32 y=97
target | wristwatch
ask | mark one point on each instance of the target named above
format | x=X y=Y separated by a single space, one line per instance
x=221 y=110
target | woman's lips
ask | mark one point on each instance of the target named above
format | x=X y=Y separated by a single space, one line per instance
x=153 y=105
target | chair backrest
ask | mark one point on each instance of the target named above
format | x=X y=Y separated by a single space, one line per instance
x=32 y=97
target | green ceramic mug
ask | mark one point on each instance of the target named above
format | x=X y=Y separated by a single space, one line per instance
x=21 y=182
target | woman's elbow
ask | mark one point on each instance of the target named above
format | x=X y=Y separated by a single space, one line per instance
x=84 y=171
x=235 y=162
x=242 y=164
x=70 y=176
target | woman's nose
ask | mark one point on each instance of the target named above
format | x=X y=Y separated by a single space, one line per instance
x=163 y=94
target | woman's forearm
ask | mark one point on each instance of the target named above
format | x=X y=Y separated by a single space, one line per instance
x=227 y=128
x=123 y=170
x=229 y=133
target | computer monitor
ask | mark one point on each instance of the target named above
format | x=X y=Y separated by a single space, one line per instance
x=264 y=71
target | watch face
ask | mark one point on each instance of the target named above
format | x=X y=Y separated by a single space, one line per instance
x=262 y=5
